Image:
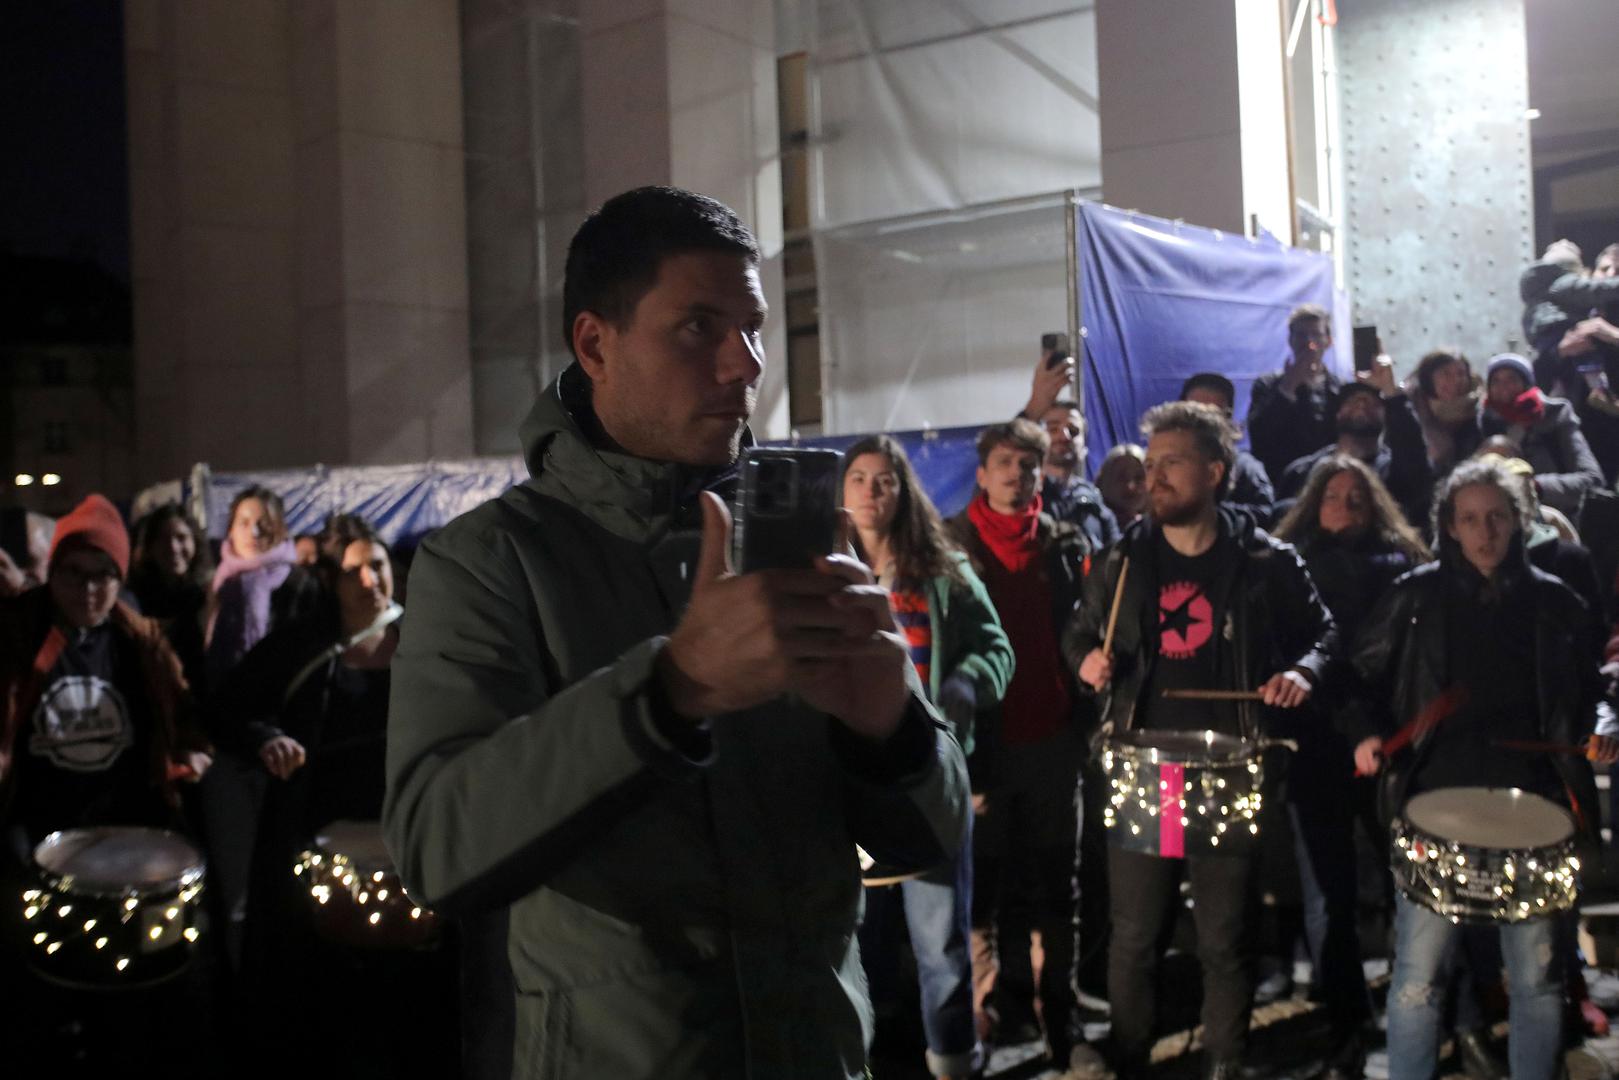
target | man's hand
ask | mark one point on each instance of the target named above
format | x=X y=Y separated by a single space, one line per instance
x=1049 y=385
x=1381 y=376
x=827 y=634
x=1096 y=670
x=1369 y=756
x=282 y=756
x=1285 y=690
x=198 y=763
x=1297 y=374
x=1602 y=749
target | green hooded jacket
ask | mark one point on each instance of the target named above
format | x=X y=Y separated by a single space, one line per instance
x=679 y=906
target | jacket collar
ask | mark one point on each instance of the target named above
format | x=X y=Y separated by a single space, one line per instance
x=568 y=460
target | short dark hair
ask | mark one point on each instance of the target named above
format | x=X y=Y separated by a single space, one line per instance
x=614 y=257
x=1215 y=434
x=1307 y=313
x=1430 y=364
x=1210 y=380
x=1020 y=433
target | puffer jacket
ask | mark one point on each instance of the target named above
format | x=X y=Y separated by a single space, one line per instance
x=1275 y=621
x=681 y=904
x=1565 y=468
x=1401 y=655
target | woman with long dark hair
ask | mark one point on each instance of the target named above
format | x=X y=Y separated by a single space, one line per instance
x=170 y=575
x=965 y=662
x=1355 y=542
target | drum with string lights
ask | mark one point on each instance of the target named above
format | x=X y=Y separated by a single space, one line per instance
x=1179 y=793
x=1486 y=855
x=114 y=906
x=355 y=893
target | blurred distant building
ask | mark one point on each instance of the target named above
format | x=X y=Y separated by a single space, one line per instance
x=66 y=383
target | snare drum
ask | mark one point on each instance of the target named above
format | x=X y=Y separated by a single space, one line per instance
x=1486 y=855
x=114 y=907
x=354 y=891
x=1179 y=793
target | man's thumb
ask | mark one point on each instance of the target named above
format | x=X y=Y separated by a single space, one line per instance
x=714 y=557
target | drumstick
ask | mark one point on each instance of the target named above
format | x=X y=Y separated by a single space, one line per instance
x=1436 y=710
x=1113 y=616
x=1530 y=746
x=1214 y=695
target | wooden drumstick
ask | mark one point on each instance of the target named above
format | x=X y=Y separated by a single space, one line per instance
x=1118 y=598
x=1214 y=695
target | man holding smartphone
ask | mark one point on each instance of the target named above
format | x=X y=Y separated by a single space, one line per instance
x=663 y=767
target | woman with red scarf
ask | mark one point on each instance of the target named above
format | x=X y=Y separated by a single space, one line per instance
x=1542 y=430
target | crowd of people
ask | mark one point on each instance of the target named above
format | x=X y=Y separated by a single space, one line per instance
x=655 y=803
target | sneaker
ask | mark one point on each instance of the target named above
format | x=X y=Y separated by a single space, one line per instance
x=1479 y=1061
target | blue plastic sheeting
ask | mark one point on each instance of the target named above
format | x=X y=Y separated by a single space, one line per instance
x=1162 y=301
x=406 y=502
x=403 y=502
x=945 y=460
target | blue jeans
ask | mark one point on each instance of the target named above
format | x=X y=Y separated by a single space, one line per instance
x=937 y=910
x=1424 y=950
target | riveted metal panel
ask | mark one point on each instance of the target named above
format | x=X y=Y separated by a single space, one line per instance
x=1438 y=195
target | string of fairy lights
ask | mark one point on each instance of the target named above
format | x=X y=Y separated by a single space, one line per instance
x=123 y=928
x=1212 y=801
x=377 y=890
x=1496 y=886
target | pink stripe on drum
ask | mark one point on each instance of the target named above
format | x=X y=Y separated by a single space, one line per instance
x=1171 y=833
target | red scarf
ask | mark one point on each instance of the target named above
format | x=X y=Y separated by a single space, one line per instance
x=1526 y=409
x=1009 y=537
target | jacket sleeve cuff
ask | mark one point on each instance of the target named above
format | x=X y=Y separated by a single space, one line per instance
x=898 y=760
x=670 y=744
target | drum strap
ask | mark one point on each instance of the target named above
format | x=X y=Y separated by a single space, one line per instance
x=327 y=655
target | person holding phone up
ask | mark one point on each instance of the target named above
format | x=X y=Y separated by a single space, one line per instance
x=662 y=767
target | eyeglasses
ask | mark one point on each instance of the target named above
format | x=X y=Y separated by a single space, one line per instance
x=74 y=576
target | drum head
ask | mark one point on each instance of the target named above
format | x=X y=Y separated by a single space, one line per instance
x=359 y=841
x=116 y=859
x=1506 y=818
x=1191 y=746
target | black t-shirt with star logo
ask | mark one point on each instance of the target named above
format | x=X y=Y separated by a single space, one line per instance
x=84 y=754
x=1188 y=625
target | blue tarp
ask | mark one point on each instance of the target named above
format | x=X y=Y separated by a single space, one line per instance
x=403 y=502
x=1162 y=301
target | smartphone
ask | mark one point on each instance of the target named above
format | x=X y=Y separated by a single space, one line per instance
x=787 y=504
x=1055 y=346
x=1367 y=348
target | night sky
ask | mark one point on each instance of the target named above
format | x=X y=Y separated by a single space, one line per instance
x=64 y=191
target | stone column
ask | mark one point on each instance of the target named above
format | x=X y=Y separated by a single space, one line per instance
x=1195 y=90
x=297 y=225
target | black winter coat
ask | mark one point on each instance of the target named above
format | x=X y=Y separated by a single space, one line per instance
x=1275 y=619
x=1401 y=653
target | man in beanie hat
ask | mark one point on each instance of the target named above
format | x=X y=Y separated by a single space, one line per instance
x=1374 y=422
x=1519 y=421
x=94 y=728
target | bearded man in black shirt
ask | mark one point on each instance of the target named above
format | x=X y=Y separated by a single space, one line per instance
x=1209 y=602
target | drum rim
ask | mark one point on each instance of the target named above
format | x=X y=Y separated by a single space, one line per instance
x=1242 y=751
x=61 y=882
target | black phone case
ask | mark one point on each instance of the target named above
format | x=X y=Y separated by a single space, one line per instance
x=786 y=508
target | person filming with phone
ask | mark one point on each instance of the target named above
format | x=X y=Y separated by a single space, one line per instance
x=659 y=766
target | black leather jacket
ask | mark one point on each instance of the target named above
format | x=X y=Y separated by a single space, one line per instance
x=1275 y=619
x=1401 y=653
